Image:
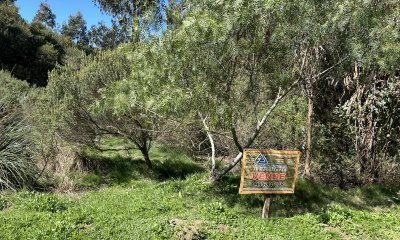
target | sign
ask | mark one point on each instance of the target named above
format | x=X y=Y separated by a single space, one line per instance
x=269 y=171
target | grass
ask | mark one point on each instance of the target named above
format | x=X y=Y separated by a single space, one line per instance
x=174 y=201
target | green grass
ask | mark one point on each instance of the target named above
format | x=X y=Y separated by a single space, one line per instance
x=123 y=167
x=174 y=201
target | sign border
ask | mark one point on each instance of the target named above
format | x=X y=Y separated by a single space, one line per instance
x=281 y=152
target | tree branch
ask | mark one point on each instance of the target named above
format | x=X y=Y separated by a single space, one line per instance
x=210 y=137
x=217 y=174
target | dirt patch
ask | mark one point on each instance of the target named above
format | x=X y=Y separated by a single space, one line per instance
x=186 y=229
x=223 y=228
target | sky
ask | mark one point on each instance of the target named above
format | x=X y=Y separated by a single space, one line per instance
x=63 y=8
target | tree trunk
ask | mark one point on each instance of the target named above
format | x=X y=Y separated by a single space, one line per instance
x=310 y=116
x=210 y=138
x=217 y=174
x=366 y=151
x=145 y=153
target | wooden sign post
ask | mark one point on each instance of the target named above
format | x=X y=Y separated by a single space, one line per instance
x=265 y=210
x=268 y=172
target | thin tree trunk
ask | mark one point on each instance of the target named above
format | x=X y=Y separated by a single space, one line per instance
x=145 y=153
x=310 y=116
x=210 y=138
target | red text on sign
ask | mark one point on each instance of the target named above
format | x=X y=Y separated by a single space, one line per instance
x=269 y=176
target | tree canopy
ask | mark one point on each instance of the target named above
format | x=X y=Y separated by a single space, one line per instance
x=45 y=15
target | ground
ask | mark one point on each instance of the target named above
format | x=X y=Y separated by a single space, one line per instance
x=126 y=200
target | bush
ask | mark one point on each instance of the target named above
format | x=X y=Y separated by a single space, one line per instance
x=12 y=90
x=335 y=215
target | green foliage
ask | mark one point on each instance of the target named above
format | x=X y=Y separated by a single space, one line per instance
x=34 y=49
x=76 y=30
x=97 y=97
x=103 y=37
x=85 y=181
x=17 y=168
x=74 y=89
x=335 y=215
x=12 y=91
x=123 y=167
x=46 y=202
x=3 y=202
x=29 y=51
x=286 y=127
x=138 y=18
x=355 y=95
x=45 y=15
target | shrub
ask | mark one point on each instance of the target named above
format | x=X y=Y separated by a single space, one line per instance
x=12 y=90
x=335 y=215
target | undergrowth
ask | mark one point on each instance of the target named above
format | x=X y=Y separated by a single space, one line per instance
x=129 y=201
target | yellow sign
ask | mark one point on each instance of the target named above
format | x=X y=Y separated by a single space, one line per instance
x=269 y=171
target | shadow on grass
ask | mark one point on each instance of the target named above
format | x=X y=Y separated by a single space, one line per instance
x=309 y=197
x=120 y=169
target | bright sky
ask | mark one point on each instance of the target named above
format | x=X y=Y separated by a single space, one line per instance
x=63 y=8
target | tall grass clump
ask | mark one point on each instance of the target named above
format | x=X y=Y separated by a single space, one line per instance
x=16 y=166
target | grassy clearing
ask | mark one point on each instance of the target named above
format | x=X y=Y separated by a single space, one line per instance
x=129 y=201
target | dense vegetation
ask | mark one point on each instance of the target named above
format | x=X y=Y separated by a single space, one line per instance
x=142 y=120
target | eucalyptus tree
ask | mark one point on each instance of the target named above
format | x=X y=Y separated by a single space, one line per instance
x=76 y=30
x=45 y=15
x=104 y=37
x=137 y=16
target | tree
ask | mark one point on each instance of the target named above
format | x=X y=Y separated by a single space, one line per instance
x=138 y=16
x=45 y=15
x=228 y=71
x=7 y=1
x=104 y=37
x=76 y=30
x=29 y=51
x=174 y=12
x=373 y=84
x=93 y=97
x=232 y=64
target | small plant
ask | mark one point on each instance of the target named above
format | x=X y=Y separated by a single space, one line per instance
x=335 y=215
x=3 y=203
x=43 y=202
